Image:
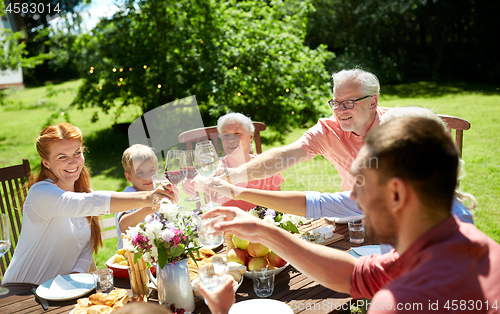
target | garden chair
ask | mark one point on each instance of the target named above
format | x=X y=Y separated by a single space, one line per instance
x=459 y=125
x=197 y=135
x=13 y=192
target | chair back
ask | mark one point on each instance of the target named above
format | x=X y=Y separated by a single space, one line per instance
x=106 y=223
x=459 y=125
x=13 y=192
x=210 y=133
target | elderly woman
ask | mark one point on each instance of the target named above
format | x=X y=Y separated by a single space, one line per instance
x=60 y=229
x=315 y=204
x=236 y=131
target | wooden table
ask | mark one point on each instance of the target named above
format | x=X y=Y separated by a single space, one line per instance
x=291 y=286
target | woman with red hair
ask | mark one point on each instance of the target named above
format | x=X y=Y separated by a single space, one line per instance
x=60 y=225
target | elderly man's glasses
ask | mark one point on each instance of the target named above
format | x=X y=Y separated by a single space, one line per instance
x=347 y=104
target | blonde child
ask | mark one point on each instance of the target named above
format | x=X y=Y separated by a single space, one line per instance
x=140 y=164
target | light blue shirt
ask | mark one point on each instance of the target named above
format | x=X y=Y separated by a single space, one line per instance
x=340 y=205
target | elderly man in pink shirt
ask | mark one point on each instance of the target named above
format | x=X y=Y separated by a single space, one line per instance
x=439 y=264
x=339 y=139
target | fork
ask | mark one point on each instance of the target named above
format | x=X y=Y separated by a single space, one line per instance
x=42 y=301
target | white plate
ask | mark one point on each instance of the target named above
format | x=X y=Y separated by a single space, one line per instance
x=261 y=306
x=367 y=250
x=278 y=270
x=84 y=283
x=345 y=220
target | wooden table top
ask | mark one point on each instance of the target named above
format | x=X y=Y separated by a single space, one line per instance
x=301 y=293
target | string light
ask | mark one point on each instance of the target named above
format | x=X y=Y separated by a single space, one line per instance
x=235 y=68
x=130 y=69
x=239 y=94
x=201 y=41
x=121 y=69
x=145 y=67
x=91 y=71
x=287 y=90
x=91 y=68
x=119 y=84
x=159 y=85
x=114 y=69
x=100 y=87
x=121 y=79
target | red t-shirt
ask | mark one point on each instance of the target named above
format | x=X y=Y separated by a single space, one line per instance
x=453 y=266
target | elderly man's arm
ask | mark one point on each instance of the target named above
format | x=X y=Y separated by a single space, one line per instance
x=331 y=268
x=267 y=164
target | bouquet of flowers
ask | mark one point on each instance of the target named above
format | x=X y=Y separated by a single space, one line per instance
x=170 y=235
x=286 y=221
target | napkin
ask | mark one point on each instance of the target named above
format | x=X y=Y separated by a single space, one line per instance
x=60 y=285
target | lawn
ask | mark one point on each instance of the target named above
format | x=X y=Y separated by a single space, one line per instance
x=28 y=111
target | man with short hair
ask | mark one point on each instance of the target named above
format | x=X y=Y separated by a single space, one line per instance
x=338 y=138
x=438 y=261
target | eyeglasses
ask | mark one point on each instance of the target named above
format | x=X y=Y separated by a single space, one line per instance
x=347 y=104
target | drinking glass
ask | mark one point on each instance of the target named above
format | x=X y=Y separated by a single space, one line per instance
x=356 y=231
x=213 y=277
x=207 y=235
x=158 y=179
x=175 y=168
x=5 y=242
x=263 y=282
x=103 y=279
x=191 y=173
x=206 y=162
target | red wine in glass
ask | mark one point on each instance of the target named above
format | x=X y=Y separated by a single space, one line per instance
x=191 y=173
x=176 y=176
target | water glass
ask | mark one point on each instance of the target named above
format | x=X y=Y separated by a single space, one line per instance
x=139 y=281
x=212 y=279
x=356 y=231
x=207 y=235
x=103 y=279
x=263 y=282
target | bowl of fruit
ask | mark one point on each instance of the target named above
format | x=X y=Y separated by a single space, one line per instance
x=119 y=264
x=255 y=256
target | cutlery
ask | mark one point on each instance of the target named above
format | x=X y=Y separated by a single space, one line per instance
x=43 y=302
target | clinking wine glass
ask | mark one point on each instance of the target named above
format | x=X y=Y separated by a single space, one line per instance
x=191 y=173
x=5 y=242
x=206 y=162
x=176 y=169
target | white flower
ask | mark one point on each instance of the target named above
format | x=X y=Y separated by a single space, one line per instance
x=270 y=220
x=254 y=212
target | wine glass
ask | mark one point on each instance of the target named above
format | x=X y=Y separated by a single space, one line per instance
x=191 y=173
x=5 y=242
x=206 y=162
x=176 y=169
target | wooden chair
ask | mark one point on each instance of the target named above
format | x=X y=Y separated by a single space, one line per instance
x=200 y=134
x=13 y=193
x=459 y=125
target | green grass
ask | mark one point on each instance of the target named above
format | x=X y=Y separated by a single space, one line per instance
x=29 y=110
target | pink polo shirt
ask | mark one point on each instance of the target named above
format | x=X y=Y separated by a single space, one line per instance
x=338 y=146
x=268 y=184
x=453 y=266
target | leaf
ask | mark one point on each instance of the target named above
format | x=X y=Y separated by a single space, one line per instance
x=137 y=257
x=291 y=227
x=162 y=256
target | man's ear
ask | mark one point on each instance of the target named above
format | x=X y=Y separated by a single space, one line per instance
x=374 y=102
x=129 y=179
x=397 y=190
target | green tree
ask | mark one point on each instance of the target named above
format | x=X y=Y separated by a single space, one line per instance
x=407 y=40
x=245 y=56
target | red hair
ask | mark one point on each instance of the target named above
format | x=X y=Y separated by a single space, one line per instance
x=49 y=136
